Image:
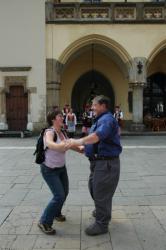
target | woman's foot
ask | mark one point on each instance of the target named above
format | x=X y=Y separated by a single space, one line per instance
x=47 y=229
x=60 y=218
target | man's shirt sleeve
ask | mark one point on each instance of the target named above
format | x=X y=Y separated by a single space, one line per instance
x=104 y=130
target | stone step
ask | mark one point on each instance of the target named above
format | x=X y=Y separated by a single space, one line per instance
x=8 y=133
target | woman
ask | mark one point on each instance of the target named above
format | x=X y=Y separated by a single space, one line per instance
x=54 y=171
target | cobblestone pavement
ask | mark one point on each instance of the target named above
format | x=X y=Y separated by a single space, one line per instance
x=139 y=205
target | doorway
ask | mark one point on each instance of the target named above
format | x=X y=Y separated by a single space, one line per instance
x=16 y=108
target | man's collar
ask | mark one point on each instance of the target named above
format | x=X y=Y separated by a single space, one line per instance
x=97 y=117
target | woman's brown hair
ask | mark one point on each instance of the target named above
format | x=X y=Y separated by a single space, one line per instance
x=51 y=115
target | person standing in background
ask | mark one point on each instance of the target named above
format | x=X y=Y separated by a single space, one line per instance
x=71 y=122
x=118 y=114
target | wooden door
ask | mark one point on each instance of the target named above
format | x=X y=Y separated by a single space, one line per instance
x=16 y=108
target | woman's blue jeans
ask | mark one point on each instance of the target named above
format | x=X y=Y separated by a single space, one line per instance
x=57 y=180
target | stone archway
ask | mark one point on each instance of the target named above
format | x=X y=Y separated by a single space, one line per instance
x=90 y=84
x=111 y=64
x=155 y=52
x=155 y=89
x=121 y=56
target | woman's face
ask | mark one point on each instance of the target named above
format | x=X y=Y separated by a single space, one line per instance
x=58 y=121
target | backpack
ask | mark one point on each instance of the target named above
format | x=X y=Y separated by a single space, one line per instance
x=40 y=150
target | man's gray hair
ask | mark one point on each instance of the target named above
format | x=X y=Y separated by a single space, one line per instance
x=101 y=99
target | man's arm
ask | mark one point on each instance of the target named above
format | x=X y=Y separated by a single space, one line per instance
x=90 y=139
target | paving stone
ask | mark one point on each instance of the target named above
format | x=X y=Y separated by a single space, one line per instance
x=118 y=212
x=23 y=179
x=6 y=241
x=4 y=188
x=123 y=236
x=55 y=248
x=13 y=197
x=10 y=228
x=148 y=191
x=68 y=243
x=24 y=242
x=4 y=212
x=8 y=180
x=37 y=197
x=150 y=234
x=45 y=242
x=139 y=206
x=132 y=201
x=99 y=246
x=158 y=200
x=138 y=212
x=160 y=213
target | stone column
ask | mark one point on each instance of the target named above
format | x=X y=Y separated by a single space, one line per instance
x=31 y=90
x=3 y=123
x=54 y=69
x=137 y=83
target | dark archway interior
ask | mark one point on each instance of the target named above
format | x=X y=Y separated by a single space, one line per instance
x=155 y=95
x=87 y=87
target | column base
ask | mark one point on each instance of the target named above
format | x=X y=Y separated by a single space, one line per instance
x=137 y=127
x=3 y=126
x=30 y=126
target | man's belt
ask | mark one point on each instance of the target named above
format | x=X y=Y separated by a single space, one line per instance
x=102 y=158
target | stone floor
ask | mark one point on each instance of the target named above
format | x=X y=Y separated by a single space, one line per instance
x=139 y=206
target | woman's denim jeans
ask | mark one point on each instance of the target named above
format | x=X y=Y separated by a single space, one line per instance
x=57 y=180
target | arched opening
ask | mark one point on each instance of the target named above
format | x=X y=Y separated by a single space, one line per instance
x=155 y=95
x=87 y=87
x=109 y=64
x=155 y=91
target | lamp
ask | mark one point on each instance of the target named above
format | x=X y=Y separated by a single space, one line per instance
x=139 y=67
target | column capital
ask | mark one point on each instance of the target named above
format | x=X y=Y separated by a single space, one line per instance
x=133 y=85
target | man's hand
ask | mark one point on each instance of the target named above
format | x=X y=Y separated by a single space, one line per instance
x=75 y=142
x=74 y=145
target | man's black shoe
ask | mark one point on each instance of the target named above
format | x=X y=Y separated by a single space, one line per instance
x=47 y=229
x=95 y=229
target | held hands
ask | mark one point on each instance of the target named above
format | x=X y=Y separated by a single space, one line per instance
x=74 y=144
x=68 y=144
x=65 y=145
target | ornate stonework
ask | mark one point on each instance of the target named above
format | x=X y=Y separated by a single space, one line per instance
x=137 y=73
x=122 y=13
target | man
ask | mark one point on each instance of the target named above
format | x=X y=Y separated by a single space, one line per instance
x=102 y=147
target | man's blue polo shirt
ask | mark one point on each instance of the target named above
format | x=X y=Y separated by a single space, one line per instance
x=107 y=129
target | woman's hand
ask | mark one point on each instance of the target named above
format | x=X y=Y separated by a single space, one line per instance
x=64 y=145
x=72 y=144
